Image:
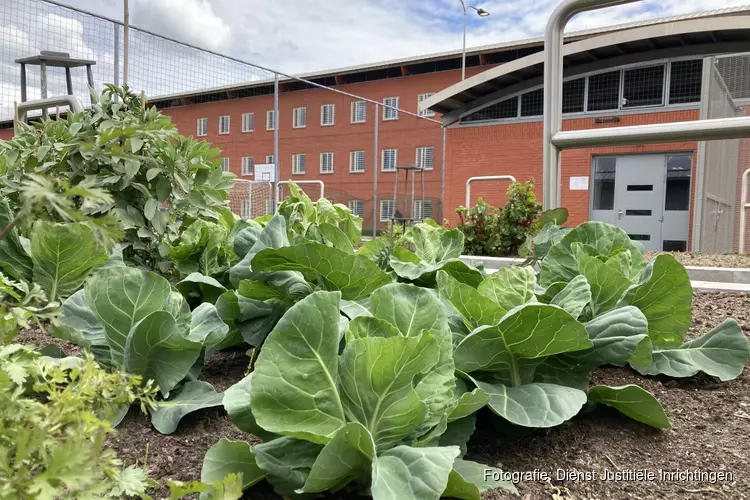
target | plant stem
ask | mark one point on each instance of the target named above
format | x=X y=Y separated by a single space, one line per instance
x=10 y=226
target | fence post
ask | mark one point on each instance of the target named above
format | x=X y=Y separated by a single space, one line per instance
x=442 y=182
x=375 y=177
x=277 y=170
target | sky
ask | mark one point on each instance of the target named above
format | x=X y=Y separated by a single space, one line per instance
x=293 y=36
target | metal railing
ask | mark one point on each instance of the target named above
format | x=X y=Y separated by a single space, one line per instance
x=484 y=178
x=555 y=140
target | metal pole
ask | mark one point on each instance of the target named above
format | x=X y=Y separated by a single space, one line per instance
x=43 y=77
x=126 y=37
x=463 y=52
x=743 y=210
x=413 y=215
x=23 y=83
x=277 y=170
x=442 y=180
x=553 y=57
x=116 y=76
x=375 y=176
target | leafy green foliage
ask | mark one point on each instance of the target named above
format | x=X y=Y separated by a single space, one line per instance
x=146 y=177
x=496 y=232
x=55 y=449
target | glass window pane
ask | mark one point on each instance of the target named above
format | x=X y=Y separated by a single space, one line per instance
x=503 y=109
x=532 y=103
x=574 y=92
x=679 y=170
x=604 y=91
x=685 y=81
x=604 y=183
x=643 y=87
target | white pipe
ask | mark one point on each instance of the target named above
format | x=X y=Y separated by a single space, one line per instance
x=697 y=130
x=485 y=178
x=743 y=209
x=553 y=81
x=281 y=183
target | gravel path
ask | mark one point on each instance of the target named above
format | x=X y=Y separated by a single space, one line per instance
x=707 y=259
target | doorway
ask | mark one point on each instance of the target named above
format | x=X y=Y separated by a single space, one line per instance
x=648 y=196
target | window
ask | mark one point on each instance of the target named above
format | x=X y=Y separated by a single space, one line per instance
x=270 y=119
x=247 y=165
x=224 y=124
x=327 y=112
x=422 y=209
x=388 y=161
x=202 y=127
x=574 y=95
x=356 y=161
x=326 y=163
x=248 y=122
x=390 y=111
x=269 y=159
x=685 y=81
x=422 y=97
x=359 y=112
x=357 y=207
x=604 y=183
x=643 y=87
x=679 y=169
x=604 y=91
x=298 y=163
x=386 y=210
x=532 y=103
x=225 y=164
x=245 y=209
x=425 y=158
x=499 y=111
x=299 y=118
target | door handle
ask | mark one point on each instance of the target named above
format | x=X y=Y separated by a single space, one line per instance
x=619 y=214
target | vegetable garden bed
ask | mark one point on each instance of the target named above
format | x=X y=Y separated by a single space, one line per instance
x=711 y=431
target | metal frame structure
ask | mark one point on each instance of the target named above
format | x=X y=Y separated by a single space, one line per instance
x=405 y=219
x=484 y=178
x=555 y=140
x=64 y=100
x=744 y=205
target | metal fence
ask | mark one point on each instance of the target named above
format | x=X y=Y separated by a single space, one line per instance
x=163 y=67
x=726 y=84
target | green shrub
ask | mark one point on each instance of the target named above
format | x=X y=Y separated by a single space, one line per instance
x=157 y=179
x=497 y=232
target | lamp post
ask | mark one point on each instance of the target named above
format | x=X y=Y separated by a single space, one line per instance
x=480 y=13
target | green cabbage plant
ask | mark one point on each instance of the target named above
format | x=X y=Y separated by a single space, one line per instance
x=367 y=405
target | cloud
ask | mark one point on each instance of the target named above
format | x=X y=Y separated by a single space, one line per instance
x=293 y=36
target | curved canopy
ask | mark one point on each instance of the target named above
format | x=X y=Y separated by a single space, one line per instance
x=690 y=37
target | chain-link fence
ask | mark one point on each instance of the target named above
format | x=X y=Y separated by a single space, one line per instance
x=726 y=82
x=168 y=70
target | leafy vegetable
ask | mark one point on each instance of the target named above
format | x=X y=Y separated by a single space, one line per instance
x=632 y=401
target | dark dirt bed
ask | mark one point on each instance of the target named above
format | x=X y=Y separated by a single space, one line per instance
x=710 y=432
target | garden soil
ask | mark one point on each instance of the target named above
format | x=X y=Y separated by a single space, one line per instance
x=710 y=432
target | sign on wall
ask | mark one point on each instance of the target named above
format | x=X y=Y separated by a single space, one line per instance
x=265 y=172
x=579 y=183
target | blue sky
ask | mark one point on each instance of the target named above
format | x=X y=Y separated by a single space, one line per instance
x=293 y=36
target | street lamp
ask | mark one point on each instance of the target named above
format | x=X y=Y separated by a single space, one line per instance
x=480 y=13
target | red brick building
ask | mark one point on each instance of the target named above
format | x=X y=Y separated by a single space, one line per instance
x=491 y=124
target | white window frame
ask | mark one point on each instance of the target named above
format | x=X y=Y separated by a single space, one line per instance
x=204 y=123
x=390 y=114
x=299 y=117
x=354 y=116
x=419 y=208
x=324 y=162
x=297 y=159
x=353 y=162
x=222 y=120
x=419 y=160
x=245 y=169
x=225 y=164
x=271 y=121
x=245 y=209
x=248 y=117
x=353 y=207
x=270 y=160
x=332 y=114
x=427 y=113
x=393 y=210
x=382 y=160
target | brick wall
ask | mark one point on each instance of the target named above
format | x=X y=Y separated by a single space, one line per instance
x=6 y=133
x=516 y=149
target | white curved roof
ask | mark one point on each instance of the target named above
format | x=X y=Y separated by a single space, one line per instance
x=692 y=36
